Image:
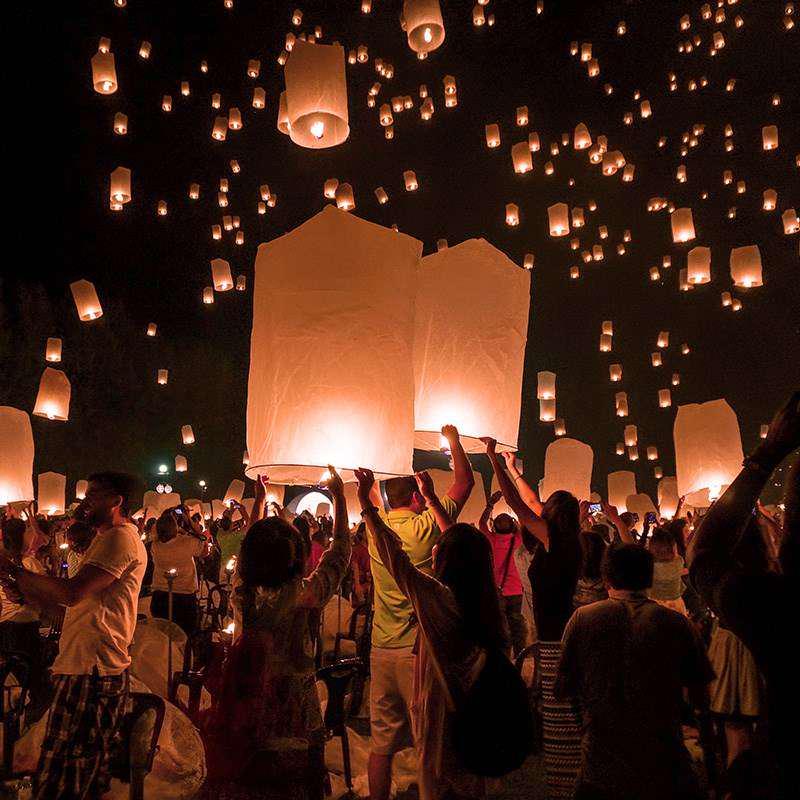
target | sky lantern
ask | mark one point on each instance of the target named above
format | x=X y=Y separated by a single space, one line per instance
x=234 y=118
x=545 y=385
x=668 y=497
x=221 y=274
x=492 y=132
x=51 y=492
x=120 y=123
x=708 y=450
x=641 y=505
x=522 y=115
x=208 y=295
x=621 y=485
x=578 y=219
x=219 y=131
x=423 y=25
x=241 y=281
x=16 y=456
x=489 y=299
x=621 y=404
x=745 y=263
x=371 y=272
x=664 y=398
x=86 y=300
x=80 y=488
x=385 y=115
x=662 y=340
x=52 y=350
x=512 y=214
x=120 y=188
x=769 y=137
x=104 y=72
x=581 y=137
x=410 y=180
x=521 y=158
x=726 y=299
x=259 y=97
x=605 y=343
x=547 y=410
x=655 y=359
x=187 y=434
x=162 y=377
x=316 y=95
x=791 y=222
x=52 y=399
x=652 y=453
x=381 y=195
x=630 y=435
x=770 y=199
x=607 y=326
x=568 y=467
x=558 y=217
x=682 y=225
x=528 y=261
x=615 y=372
x=181 y=464
x=698 y=265
x=344 y=197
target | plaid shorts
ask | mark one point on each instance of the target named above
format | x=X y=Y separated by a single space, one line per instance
x=82 y=730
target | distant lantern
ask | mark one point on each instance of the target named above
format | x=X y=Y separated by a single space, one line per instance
x=736 y=305
x=545 y=385
x=492 y=132
x=316 y=95
x=410 y=180
x=745 y=263
x=241 y=283
x=152 y=329
x=521 y=158
x=791 y=221
x=329 y=188
x=185 y=90
x=120 y=123
x=194 y=191
x=663 y=339
x=763 y=431
x=52 y=399
x=145 y=48
x=631 y=435
x=621 y=485
x=547 y=410
x=80 y=489
x=234 y=118
x=726 y=299
x=166 y=103
x=682 y=225
x=620 y=449
x=655 y=359
x=578 y=220
x=253 y=68
x=120 y=188
x=654 y=274
x=52 y=350
x=770 y=200
x=219 y=131
x=181 y=464
x=676 y=377
x=259 y=97
x=533 y=142
x=698 y=265
x=216 y=101
x=574 y=273
x=51 y=492
x=162 y=377
x=615 y=372
x=633 y=453
x=558 y=217
x=104 y=73
x=652 y=453
x=86 y=300
x=605 y=343
x=344 y=197
x=385 y=115
x=423 y=25
x=221 y=275
x=16 y=456
x=208 y=295
x=769 y=137
x=708 y=450
x=161 y=208
x=581 y=137
x=522 y=115
x=586 y=51
x=621 y=404
x=664 y=398
x=567 y=467
x=645 y=109
x=528 y=261
x=381 y=195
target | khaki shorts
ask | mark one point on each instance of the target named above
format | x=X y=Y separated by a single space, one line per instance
x=391 y=691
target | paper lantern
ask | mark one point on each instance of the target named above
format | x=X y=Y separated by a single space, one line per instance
x=423 y=25
x=763 y=431
x=160 y=501
x=664 y=398
x=16 y=456
x=51 y=492
x=187 y=434
x=621 y=485
x=630 y=435
x=522 y=115
x=120 y=123
x=235 y=492
x=545 y=385
x=559 y=428
x=663 y=339
x=329 y=188
x=512 y=214
x=578 y=220
x=241 y=282
x=769 y=137
x=607 y=327
x=655 y=359
x=745 y=266
x=547 y=410
x=581 y=138
x=162 y=377
x=489 y=300
x=521 y=158
x=620 y=449
x=166 y=103
x=208 y=295
x=52 y=350
x=791 y=221
x=698 y=265
x=476 y=502
x=528 y=261
x=381 y=195
x=492 y=132
x=52 y=399
x=316 y=95
x=708 y=448
x=682 y=225
x=652 y=453
x=641 y=505
x=668 y=497
x=221 y=275
x=615 y=372
x=80 y=489
x=568 y=467
x=558 y=218
x=234 y=118
x=104 y=73
x=181 y=464
x=120 y=188
x=574 y=273
x=605 y=343
x=86 y=300
x=410 y=180
x=259 y=97
x=366 y=273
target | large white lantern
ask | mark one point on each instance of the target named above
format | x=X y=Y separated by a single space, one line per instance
x=708 y=449
x=52 y=488
x=316 y=95
x=352 y=345
x=52 y=400
x=698 y=265
x=16 y=456
x=104 y=73
x=86 y=300
x=668 y=497
x=423 y=25
x=469 y=350
x=235 y=491
x=621 y=485
x=746 y=266
x=568 y=466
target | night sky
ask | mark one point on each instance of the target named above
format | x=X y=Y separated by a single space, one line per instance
x=148 y=268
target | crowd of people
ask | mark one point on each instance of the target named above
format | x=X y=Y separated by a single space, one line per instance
x=646 y=636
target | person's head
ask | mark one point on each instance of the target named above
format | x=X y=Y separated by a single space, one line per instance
x=593 y=546
x=108 y=498
x=167 y=526
x=403 y=493
x=80 y=535
x=463 y=562
x=14 y=536
x=271 y=554
x=677 y=527
x=504 y=524
x=662 y=545
x=629 y=518
x=628 y=567
x=561 y=512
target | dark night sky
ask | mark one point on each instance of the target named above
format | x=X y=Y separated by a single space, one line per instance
x=147 y=268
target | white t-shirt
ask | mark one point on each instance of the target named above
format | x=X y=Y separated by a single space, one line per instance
x=178 y=553
x=98 y=631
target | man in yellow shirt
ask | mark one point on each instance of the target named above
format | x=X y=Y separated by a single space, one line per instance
x=394 y=630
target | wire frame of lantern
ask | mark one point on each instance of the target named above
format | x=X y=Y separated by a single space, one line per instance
x=52 y=350
x=86 y=300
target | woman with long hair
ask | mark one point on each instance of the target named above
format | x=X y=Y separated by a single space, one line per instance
x=264 y=734
x=459 y=617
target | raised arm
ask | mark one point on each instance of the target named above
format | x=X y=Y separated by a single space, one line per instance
x=259 y=506
x=616 y=520
x=463 y=479
x=425 y=484
x=483 y=522
x=528 y=494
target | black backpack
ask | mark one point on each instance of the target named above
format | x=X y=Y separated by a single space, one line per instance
x=492 y=728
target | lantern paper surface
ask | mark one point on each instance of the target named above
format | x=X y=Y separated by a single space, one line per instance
x=16 y=456
x=642 y=505
x=621 y=485
x=698 y=265
x=746 y=266
x=424 y=26
x=567 y=466
x=352 y=345
x=86 y=300
x=235 y=491
x=52 y=400
x=53 y=350
x=476 y=502
x=50 y=493
x=80 y=489
x=668 y=496
x=158 y=502
x=469 y=345
x=708 y=447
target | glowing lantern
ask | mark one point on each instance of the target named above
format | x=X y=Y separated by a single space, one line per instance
x=234 y=118
x=16 y=456
x=208 y=295
x=621 y=485
x=668 y=497
x=615 y=372
x=763 y=431
x=259 y=98
x=769 y=137
x=533 y=142
x=381 y=195
x=241 y=282
x=52 y=399
x=512 y=214
x=120 y=123
x=605 y=343
x=620 y=449
x=162 y=377
x=253 y=68
x=521 y=158
x=708 y=449
x=316 y=95
x=791 y=221
x=385 y=115
x=120 y=188
x=219 y=131
x=52 y=350
x=558 y=217
x=187 y=434
x=80 y=489
x=522 y=115
x=410 y=180
x=652 y=453
x=682 y=225
x=578 y=220
x=663 y=339
x=745 y=266
x=221 y=274
x=770 y=200
x=145 y=48
x=655 y=359
x=337 y=253
x=581 y=138
x=423 y=25
x=51 y=491
x=630 y=435
x=654 y=274
x=161 y=208
x=698 y=265
x=86 y=300
x=568 y=467
x=104 y=73
x=574 y=273
x=645 y=109
x=492 y=132
x=166 y=103
x=547 y=410
x=528 y=261
x=344 y=197
x=194 y=191
x=664 y=398
x=545 y=385
x=181 y=464
x=559 y=428
x=726 y=299
x=676 y=377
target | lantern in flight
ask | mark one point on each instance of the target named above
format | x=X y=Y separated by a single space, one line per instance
x=221 y=275
x=521 y=158
x=104 y=73
x=187 y=434
x=120 y=188
x=745 y=266
x=51 y=492
x=423 y=25
x=52 y=399
x=86 y=300
x=769 y=137
x=558 y=217
x=567 y=467
x=698 y=265
x=52 y=350
x=545 y=385
x=664 y=398
x=181 y=464
x=682 y=225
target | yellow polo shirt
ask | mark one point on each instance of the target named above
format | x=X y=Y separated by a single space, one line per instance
x=391 y=624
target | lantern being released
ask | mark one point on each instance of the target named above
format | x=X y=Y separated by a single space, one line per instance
x=316 y=95
x=357 y=408
x=567 y=467
x=423 y=25
x=621 y=485
x=221 y=274
x=480 y=331
x=746 y=266
x=52 y=400
x=52 y=489
x=16 y=456
x=708 y=449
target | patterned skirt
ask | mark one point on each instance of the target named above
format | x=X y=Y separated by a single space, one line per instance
x=561 y=730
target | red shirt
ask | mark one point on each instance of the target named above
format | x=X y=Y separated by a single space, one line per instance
x=501 y=543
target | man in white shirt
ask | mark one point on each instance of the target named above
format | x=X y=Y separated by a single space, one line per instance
x=91 y=670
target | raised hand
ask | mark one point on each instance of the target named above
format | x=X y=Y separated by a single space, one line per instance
x=334 y=482
x=491 y=445
x=450 y=432
x=511 y=463
x=494 y=499
x=366 y=480
x=425 y=484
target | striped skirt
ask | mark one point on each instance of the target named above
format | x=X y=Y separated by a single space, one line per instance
x=561 y=732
